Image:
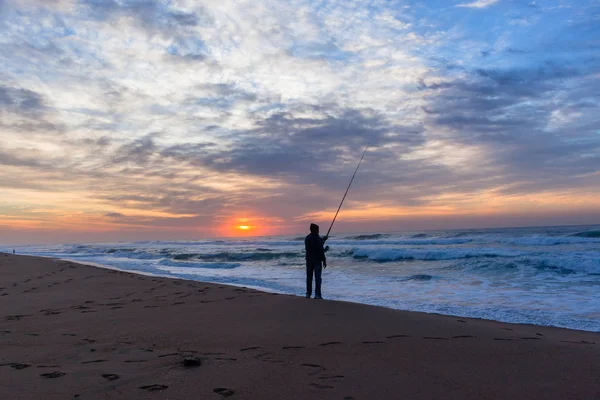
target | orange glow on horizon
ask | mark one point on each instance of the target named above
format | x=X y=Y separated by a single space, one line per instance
x=244 y=227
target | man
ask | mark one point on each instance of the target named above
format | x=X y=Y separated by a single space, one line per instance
x=315 y=260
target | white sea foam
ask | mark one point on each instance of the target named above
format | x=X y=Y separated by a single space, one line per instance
x=392 y=254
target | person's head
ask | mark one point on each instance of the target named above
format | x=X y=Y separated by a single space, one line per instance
x=314 y=228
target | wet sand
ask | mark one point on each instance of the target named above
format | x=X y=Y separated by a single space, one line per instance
x=69 y=331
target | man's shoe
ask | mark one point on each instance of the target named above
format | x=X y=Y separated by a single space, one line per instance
x=308 y=296
x=318 y=297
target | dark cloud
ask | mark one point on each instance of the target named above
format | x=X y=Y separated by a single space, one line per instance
x=514 y=116
x=179 y=199
x=309 y=149
x=102 y=141
x=138 y=151
x=20 y=158
x=193 y=153
x=35 y=125
x=22 y=101
x=153 y=15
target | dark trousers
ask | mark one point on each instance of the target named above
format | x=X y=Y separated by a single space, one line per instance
x=316 y=268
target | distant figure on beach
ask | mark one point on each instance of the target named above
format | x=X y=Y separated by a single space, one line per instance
x=13 y=251
x=315 y=260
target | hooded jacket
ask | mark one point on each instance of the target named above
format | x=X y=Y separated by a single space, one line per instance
x=314 y=248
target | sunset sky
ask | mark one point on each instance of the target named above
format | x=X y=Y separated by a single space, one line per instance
x=181 y=119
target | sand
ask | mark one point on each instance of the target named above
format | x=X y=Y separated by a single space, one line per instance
x=70 y=331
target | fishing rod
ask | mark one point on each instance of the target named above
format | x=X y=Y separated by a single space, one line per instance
x=348 y=188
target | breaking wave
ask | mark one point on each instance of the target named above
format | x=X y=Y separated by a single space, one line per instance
x=383 y=255
x=588 y=234
x=237 y=256
x=368 y=237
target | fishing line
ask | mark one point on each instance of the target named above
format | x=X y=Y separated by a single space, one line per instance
x=347 y=189
x=355 y=171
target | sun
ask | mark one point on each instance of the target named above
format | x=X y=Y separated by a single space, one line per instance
x=244 y=227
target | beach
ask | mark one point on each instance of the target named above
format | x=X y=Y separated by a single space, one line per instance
x=75 y=331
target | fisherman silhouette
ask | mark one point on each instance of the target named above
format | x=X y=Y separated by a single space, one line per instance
x=315 y=260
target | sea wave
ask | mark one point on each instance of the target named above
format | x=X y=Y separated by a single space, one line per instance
x=368 y=237
x=539 y=240
x=237 y=256
x=206 y=265
x=402 y=242
x=382 y=255
x=588 y=234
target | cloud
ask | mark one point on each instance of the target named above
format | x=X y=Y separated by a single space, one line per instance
x=152 y=15
x=138 y=151
x=508 y=116
x=22 y=101
x=165 y=110
x=478 y=4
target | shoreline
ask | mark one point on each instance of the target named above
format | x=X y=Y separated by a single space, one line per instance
x=266 y=290
x=116 y=334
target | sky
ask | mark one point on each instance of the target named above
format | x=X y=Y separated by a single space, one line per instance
x=180 y=119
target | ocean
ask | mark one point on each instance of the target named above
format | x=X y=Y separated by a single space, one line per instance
x=542 y=275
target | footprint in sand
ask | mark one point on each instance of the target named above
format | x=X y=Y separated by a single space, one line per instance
x=224 y=391
x=397 y=336
x=111 y=377
x=577 y=342
x=331 y=377
x=329 y=343
x=17 y=317
x=316 y=368
x=319 y=386
x=463 y=337
x=93 y=361
x=154 y=388
x=372 y=342
x=292 y=347
x=168 y=355
x=55 y=374
x=20 y=366
x=250 y=348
